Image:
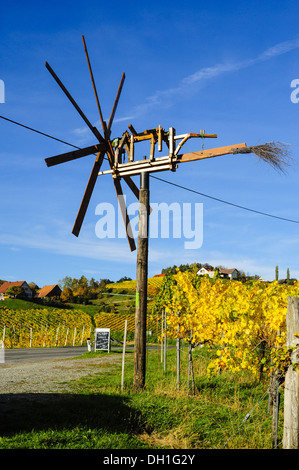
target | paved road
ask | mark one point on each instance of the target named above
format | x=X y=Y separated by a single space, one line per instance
x=19 y=356
x=26 y=355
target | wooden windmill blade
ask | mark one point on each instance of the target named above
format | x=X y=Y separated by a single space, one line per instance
x=110 y=153
x=87 y=195
x=116 y=181
x=124 y=214
x=127 y=179
x=93 y=129
x=104 y=147
x=93 y=84
x=116 y=100
x=73 y=155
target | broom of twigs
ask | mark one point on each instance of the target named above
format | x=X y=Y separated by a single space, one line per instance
x=276 y=154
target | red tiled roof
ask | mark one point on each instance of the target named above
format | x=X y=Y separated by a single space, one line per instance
x=6 y=285
x=46 y=290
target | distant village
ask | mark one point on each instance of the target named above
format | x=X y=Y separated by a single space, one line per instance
x=22 y=289
x=30 y=291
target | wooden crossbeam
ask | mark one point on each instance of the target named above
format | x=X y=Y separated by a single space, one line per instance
x=162 y=163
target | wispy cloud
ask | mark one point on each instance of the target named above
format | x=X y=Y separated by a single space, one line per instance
x=83 y=248
x=61 y=242
x=196 y=79
x=204 y=74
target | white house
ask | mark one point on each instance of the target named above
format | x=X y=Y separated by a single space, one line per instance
x=204 y=271
x=223 y=273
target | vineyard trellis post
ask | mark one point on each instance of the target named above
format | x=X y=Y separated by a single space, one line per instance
x=67 y=332
x=178 y=357
x=123 y=358
x=165 y=341
x=162 y=327
x=291 y=392
x=190 y=366
x=74 y=337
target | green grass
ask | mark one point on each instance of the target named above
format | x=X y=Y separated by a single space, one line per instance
x=19 y=304
x=95 y=414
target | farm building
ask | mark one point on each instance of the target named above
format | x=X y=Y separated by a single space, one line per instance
x=228 y=273
x=22 y=284
x=223 y=273
x=52 y=292
x=203 y=271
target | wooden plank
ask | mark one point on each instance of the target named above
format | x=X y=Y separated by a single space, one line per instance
x=73 y=155
x=215 y=152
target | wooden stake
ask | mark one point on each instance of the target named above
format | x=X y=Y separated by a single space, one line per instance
x=178 y=357
x=141 y=285
x=165 y=340
x=291 y=391
x=123 y=358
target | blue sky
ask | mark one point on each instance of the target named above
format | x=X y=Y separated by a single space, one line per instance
x=225 y=67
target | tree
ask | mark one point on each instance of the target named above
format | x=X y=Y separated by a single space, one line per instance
x=15 y=291
x=65 y=282
x=67 y=295
x=276 y=273
x=34 y=288
x=125 y=278
x=288 y=276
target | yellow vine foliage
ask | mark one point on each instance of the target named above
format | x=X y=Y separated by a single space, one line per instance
x=43 y=327
x=236 y=319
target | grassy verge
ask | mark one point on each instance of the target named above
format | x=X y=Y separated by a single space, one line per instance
x=96 y=414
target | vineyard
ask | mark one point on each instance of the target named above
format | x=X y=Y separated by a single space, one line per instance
x=153 y=284
x=116 y=321
x=43 y=327
x=243 y=324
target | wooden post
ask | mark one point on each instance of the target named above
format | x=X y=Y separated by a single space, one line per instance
x=123 y=358
x=275 y=399
x=74 y=338
x=162 y=328
x=178 y=359
x=190 y=367
x=165 y=340
x=291 y=393
x=56 y=338
x=141 y=285
x=67 y=332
